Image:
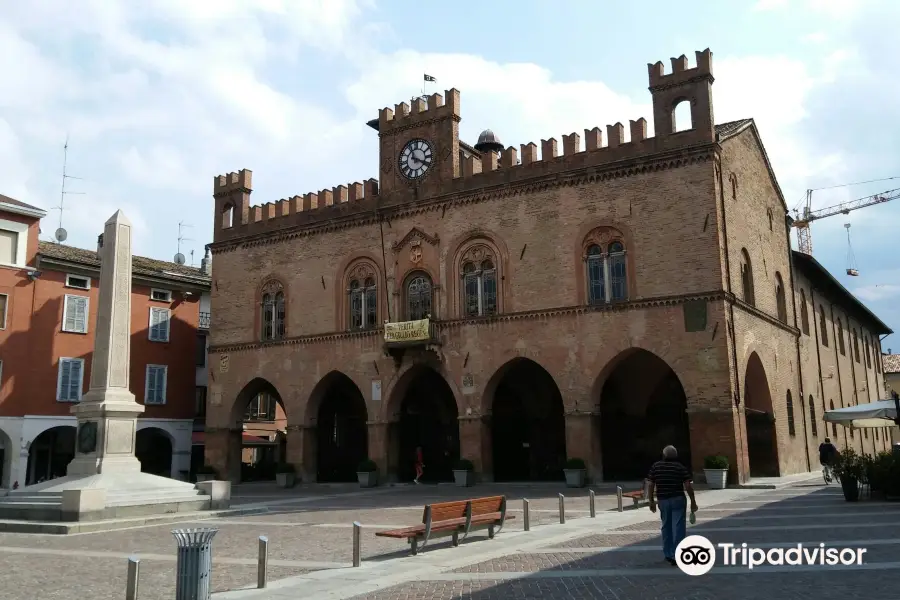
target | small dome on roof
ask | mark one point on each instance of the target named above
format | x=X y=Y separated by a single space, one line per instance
x=488 y=141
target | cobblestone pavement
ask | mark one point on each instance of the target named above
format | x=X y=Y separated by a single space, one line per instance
x=309 y=529
x=625 y=562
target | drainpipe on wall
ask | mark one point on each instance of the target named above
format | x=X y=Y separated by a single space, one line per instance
x=837 y=364
x=815 y=320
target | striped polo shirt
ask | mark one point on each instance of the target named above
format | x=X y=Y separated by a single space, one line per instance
x=669 y=475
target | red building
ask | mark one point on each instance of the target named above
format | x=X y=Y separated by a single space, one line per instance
x=48 y=315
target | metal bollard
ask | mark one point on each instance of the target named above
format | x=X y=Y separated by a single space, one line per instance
x=134 y=574
x=562 y=509
x=262 y=565
x=357 y=542
x=194 y=563
x=527 y=517
x=593 y=506
x=619 y=497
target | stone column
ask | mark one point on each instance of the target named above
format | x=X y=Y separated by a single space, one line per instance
x=222 y=451
x=300 y=451
x=718 y=431
x=583 y=441
x=107 y=415
x=475 y=444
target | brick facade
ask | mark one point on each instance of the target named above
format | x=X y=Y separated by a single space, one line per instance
x=685 y=206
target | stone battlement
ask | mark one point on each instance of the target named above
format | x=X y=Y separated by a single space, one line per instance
x=680 y=74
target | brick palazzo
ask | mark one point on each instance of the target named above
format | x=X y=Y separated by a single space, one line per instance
x=596 y=303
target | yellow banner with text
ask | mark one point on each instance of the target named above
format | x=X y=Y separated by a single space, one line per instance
x=407 y=331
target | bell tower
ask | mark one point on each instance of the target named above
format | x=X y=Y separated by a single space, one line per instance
x=419 y=144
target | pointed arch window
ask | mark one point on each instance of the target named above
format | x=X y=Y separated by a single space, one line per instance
x=833 y=425
x=780 y=299
x=272 y=311
x=855 y=346
x=840 y=337
x=822 y=329
x=747 y=278
x=868 y=354
x=792 y=431
x=607 y=272
x=804 y=313
x=478 y=274
x=418 y=296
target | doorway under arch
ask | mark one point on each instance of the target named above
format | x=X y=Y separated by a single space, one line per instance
x=528 y=423
x=50 y=454
x=428 y=420
x=6 y=457
x=341 y=432
x=153 y=448
x=259 y=445
x=759 y=416
x=643 y=409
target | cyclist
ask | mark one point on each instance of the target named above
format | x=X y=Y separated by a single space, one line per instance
x=827 y=455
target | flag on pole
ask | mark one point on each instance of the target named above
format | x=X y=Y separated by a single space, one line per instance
x=430 y=78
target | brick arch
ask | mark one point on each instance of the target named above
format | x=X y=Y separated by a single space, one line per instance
x=398 y=386
x=248 y=392
x=341 y=281
x=616 y=230
x=487 y=394
x=320 y=391
x=335 y=458
x=455 y=251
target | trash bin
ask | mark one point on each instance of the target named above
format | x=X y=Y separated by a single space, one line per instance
x=194 y=563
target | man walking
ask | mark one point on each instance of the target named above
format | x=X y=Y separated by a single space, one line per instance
x=669 y=479
x=827 y=454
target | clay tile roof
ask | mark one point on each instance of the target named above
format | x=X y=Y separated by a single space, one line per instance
x=724 y=130
x=891 y=363
x=140 y=265
x=14 y=202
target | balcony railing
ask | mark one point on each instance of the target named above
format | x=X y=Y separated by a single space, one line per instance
x=204 y=320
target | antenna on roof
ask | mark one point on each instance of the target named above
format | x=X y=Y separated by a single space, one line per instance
x=179 y=257
x=61 y=234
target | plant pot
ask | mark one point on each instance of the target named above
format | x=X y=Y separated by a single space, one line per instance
x=286 y=480
x=716 y=478
x=850 y=486
x=464 y=478
x=367 y=479
x=575 y=477
x=205 y=477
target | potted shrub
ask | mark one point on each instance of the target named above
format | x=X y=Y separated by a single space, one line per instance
x=367 y=473
x=464 y=473
x=849 y=468
x=576 y=472
x=206 y=473
x=716 y=470
x=285 y=475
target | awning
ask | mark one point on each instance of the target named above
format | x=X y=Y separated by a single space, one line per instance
x=198 y=439
x=875 y=414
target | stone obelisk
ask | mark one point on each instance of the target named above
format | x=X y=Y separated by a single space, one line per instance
x=107 y=414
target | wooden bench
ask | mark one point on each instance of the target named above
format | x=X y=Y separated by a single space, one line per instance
x=637 y=496
x=451 y=519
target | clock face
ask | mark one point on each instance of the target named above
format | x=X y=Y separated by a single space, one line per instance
x=416 y=158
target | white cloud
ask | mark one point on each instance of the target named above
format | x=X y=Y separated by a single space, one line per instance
x=877 y=292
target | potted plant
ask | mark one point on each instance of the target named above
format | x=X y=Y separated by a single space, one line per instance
x=716 y=470
x=285 y=475
x=367 y=473
x=849 y=468
x=206 y=473
x=576 y=472
x=464 y=473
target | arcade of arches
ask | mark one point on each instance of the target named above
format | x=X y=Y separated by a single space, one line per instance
x=525 y=434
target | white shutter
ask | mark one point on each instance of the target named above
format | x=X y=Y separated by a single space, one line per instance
x=76 y=314
x=161 y=384
x=9 y=243
x=70 y=379
x=151 y=385
x=75 y=380
x=64 y=376
x=159 y=324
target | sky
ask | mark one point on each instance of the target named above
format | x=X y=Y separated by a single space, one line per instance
x=158 y=97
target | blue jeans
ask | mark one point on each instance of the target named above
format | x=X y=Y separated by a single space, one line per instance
x=673 y=512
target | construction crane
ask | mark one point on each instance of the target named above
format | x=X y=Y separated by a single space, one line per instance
x=802 y=222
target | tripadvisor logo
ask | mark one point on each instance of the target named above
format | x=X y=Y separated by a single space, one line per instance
x=696 y=555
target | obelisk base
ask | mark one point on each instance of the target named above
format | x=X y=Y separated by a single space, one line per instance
x=107 y=430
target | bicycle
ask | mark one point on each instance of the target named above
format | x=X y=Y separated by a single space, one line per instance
x=827 y=473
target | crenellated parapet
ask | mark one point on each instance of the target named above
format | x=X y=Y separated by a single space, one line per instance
x=594 y=149
x=238 y=218
x=420 y=111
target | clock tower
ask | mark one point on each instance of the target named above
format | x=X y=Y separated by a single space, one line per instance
x=419 y=149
